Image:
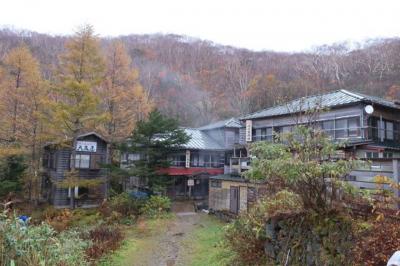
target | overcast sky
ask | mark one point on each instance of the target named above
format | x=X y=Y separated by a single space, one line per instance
x=280 y=25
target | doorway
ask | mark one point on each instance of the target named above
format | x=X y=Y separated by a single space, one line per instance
x=234 y=199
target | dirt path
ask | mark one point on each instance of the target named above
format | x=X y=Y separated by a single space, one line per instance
x=166 y=246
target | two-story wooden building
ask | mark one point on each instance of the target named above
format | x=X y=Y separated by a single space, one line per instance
x=91 y=155
x=206 y=154
x=370 y=127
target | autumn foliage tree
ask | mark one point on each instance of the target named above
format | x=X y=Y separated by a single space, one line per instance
x=75 y=104
x=124 y=100
x=22 y=95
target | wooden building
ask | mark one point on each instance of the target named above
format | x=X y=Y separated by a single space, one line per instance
x=206 y=154
x=91 y=156
x=370 y=127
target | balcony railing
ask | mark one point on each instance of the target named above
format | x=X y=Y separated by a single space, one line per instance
x=200 y=165
x=355 y=133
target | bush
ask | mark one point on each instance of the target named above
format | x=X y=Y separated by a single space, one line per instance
x=156 y=206
x=265 y=234
x=125 y=204
x=379 y=241
x=104 y=239
x=24 y=244
x=59 y=219
x=12 y=170
x=245 y=236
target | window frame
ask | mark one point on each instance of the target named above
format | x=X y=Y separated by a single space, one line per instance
x=78 y=162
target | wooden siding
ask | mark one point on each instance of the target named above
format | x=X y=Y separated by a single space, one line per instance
x=59 y=196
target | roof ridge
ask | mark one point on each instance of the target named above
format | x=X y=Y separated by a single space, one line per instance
x=291 y=101
x=353 y=94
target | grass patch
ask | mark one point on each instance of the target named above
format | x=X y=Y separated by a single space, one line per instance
x=204 y=246
x=138 y=241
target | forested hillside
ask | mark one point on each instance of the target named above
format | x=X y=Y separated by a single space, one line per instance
x=199 y=81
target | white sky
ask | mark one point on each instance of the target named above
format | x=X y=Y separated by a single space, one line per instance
x=281 y=25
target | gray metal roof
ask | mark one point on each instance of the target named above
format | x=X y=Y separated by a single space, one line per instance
x=199 y=140
x=328 y=100
x=228 y=123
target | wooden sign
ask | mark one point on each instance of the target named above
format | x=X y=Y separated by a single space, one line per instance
x=187 y=162
x=89 y=146
x=249 y=130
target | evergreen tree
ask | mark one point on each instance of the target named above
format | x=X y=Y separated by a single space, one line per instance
x=154 y=139
x=12 y=170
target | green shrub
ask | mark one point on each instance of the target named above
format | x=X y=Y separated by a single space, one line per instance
x=23 y=244
x=156 y=206
x=283 y=202
x=246 y=235
x=12 y=170
x=125 y=204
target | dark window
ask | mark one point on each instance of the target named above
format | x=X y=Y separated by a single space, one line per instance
x=194 y=159
x=388 y=155
x=178 y=160
x=384 y=129
x=328 y=128
x=381 y=129
x=216 y=183
x=257 y=134
x=372 y=155
x=341 y=128
x=389 y=130
x=263 y=134
x=354 y=127
x=83 y=192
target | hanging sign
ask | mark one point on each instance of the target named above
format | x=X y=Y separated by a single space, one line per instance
x=249 y=130
x=187 y=162
x=89 y=146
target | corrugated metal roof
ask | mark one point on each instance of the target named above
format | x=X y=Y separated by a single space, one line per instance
x=201 y=141
x=336 y=98
x=229 y=123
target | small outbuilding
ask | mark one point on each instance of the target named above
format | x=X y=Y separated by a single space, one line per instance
x=233 y=193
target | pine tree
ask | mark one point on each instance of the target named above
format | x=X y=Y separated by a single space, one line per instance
x=154 y=138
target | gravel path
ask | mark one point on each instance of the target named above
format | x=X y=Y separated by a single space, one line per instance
x=167 y=248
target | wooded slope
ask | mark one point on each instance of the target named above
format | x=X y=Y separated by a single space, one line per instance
x=199 y=81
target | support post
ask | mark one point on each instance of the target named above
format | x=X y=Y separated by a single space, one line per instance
x=396 y=179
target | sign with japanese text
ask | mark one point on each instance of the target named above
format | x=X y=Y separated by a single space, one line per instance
x=187 y=162
x=89 y=146
x=249 y=130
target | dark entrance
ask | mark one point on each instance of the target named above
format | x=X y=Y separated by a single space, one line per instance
x=234 y=199
x=179 y=189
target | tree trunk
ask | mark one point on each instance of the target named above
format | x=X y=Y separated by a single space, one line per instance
x=73 y=158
